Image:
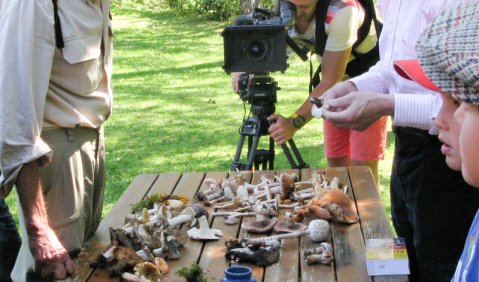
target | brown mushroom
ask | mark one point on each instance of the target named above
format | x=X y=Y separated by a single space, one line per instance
x=149 y=271
x=287 y=184
x=162 y=265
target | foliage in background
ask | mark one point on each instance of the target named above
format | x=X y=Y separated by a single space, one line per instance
x=213 y=9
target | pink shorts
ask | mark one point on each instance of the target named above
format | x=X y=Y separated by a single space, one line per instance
x=366 y=145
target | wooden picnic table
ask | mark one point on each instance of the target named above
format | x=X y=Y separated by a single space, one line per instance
x=347 y=239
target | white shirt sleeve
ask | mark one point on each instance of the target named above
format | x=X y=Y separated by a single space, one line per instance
x=27 y=45
x=417 y=111
x=374 y=80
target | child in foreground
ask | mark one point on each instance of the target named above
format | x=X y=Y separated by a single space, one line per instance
x=448 y=53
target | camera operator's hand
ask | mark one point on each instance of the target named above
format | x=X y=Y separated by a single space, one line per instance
x=282 y=129
x=234 y=81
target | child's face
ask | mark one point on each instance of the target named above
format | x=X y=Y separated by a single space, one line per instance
x=449 y=130
x=468 y=117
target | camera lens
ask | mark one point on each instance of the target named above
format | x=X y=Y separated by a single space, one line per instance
x=256 y=50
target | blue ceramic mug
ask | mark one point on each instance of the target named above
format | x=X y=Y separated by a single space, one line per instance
x=238 y=274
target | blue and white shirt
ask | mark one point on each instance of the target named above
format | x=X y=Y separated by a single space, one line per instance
x=468 y=266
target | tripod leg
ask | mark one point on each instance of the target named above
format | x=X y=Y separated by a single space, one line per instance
x=236 y=164
x=288 y=155
x=301 y=163
x=297 y=155
x=271 y=153
x=252 y=151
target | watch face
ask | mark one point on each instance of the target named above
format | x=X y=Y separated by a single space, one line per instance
x=299 y=121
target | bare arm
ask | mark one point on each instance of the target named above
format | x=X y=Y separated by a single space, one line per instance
x=51 y=258
x=333 y=66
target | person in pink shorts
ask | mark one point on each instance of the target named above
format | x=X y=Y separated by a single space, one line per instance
x=329 y=29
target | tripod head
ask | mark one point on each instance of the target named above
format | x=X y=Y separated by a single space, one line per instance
x=259 y=90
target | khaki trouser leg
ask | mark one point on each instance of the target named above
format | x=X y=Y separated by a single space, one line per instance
x=73 y=186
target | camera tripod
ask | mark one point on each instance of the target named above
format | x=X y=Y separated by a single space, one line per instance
x=254 y=128
x=259 y=90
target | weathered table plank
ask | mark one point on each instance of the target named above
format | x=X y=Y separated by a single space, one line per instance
x=287 y=268
x=213 y=256
x=258 y=272
x=348 y=241
x=318 y=272
x=373 y=219
x=187 y=186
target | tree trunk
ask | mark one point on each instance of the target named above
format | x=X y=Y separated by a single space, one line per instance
x=247 y=6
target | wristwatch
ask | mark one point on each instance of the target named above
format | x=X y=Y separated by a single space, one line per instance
x=298 y=121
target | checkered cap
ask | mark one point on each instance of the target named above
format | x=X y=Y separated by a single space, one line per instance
x=448 y=52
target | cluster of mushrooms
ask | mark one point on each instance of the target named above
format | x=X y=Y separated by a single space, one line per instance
x=139 y=249
x=318 y=196
x=154 y=234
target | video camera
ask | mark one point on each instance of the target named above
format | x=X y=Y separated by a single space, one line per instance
x=257 y=42
x=256 y=45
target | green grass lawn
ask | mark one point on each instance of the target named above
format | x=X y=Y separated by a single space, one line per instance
x=174 y=109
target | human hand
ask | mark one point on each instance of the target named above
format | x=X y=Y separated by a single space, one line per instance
x=234 y=81
x=340 y=89
x=282 y=130
x=358 y=110
x=51 y=258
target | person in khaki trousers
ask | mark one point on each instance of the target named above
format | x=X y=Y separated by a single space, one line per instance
x=56 y=96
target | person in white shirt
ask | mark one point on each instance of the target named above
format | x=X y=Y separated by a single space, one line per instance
x=56 y=95
x=431 y=205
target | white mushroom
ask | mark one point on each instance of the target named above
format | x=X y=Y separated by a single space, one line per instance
x=231 y=217
x=186 y=215
x=130 y=277
x=322 y=254
x=334 y=183
x=318 y=230
x=303 y=196
x=228 y=196
x=109 y=255
x=204 y=232
x=175 y=204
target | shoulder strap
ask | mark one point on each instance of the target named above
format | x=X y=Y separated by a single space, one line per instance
x=320 y=34
x=363 y=31
x=58 y=27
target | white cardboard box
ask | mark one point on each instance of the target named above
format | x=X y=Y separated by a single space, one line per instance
x=386 y=257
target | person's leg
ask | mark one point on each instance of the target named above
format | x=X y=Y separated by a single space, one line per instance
x=341 y=161
x=10 y=242
x=98 y=186
x=399 y=194
x=368 y=147
x=373 y=165
x=69 y=183
x=336 y=145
